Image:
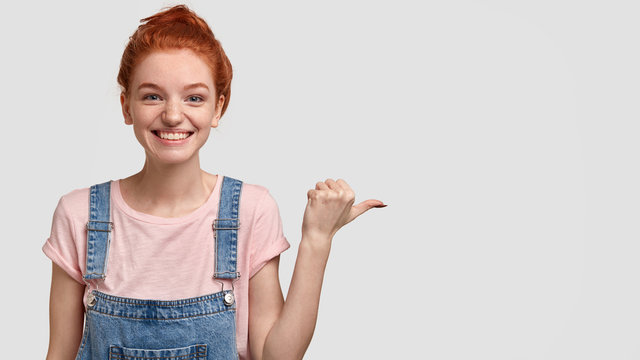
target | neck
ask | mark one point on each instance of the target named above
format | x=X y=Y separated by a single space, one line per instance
x=168 y=190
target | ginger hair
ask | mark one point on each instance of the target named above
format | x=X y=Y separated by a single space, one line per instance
x=177 y=27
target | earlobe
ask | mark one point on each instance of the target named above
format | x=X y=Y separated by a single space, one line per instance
x=216 y=117
x=124 y=103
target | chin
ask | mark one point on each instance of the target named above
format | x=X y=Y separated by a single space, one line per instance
x=173 y=159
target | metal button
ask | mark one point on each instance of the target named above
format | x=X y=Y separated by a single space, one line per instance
x=91 y=299
x=228 y=299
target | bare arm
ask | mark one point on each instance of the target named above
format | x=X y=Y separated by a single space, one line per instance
x=283 y=330
x=66 y=315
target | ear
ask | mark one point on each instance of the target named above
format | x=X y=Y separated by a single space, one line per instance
x=124 y=103
x=218 y=114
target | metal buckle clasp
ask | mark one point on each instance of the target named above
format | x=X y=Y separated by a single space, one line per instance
x=109 y=227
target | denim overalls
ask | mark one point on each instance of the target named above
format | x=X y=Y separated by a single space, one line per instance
x=134 y=329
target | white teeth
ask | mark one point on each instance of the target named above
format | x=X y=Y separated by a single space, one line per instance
x=172 y=136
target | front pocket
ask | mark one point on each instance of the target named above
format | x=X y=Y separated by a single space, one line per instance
x=184 y=353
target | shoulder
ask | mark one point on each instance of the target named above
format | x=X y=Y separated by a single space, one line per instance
x=74 y=205
x=255 y=201
x=253 y=194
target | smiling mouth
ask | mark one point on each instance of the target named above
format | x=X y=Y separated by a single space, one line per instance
x=172 y=135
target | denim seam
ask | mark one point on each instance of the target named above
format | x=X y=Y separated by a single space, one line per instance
x=236 y=214
x=215 y=232
x=106 y=255
x=94 y=273
x=200 y=352
x=91 y=216
x=113 y=299
x=160 y=319
x=235 y=337
x=197 y=355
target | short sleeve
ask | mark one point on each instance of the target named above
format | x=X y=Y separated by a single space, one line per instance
x=61 y=247
x=267 y=238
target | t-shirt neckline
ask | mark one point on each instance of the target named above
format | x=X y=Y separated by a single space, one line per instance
x=212 y=201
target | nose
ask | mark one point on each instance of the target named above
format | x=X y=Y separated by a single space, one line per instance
x=172 y=114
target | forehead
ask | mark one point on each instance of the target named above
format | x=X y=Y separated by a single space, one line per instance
x=172 y=67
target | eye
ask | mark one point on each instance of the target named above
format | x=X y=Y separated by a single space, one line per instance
x=151 y=97
x=195 y=98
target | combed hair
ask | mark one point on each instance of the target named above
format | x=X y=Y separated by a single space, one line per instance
x=177 y=27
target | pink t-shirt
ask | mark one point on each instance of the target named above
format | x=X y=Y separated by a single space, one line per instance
x=152 y=257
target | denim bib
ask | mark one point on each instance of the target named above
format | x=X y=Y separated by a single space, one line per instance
x=121 y=328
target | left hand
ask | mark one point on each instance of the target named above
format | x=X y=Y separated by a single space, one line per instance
x=330 y=207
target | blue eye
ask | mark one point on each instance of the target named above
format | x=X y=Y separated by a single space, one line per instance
x=195 y=98
x=152 y=97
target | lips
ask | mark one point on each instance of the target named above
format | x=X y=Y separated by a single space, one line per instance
x=172 y=135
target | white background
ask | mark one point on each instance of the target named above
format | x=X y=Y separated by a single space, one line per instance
x=502 y=134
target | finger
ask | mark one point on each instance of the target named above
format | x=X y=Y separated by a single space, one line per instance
x=346 y=191
x=359 y=209
x=312 y=194
x=343 y=184
x=321 y=186
x=332 y=184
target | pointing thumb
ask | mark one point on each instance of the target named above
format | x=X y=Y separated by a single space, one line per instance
x=357 y=210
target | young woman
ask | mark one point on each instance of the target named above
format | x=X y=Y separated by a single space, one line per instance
x=174 y=262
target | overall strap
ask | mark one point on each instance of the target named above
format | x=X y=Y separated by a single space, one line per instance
x=225 y=230
x=98 y=231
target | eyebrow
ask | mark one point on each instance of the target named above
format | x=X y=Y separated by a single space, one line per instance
x=196 y=85
x=187 y=87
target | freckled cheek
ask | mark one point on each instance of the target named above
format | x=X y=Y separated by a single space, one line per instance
x=145 y=116
x=201 y=119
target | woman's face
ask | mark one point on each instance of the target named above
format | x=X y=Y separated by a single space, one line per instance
x=172 y=105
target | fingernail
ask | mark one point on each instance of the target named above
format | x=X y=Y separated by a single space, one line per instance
x=381 y=206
